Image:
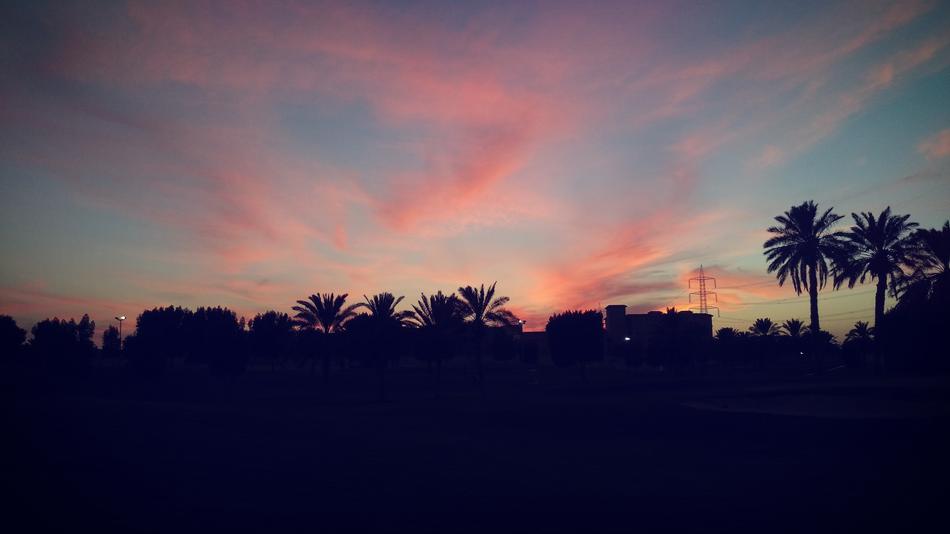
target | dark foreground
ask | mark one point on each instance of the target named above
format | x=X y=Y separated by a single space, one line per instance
x=283 y=452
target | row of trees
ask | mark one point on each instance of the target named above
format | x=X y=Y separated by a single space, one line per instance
x=371 y=333
x=805 y=249
x=914 y=264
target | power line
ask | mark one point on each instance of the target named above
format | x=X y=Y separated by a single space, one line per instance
x=799 y=300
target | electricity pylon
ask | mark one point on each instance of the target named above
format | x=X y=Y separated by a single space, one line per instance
x=703 y=294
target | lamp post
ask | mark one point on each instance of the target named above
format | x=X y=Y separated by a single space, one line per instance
x=120 y=318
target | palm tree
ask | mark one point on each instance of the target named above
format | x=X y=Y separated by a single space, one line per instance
x=437 y=310
x=382 y=307
x=764 y=328
x=328 y=313
x=438 y=316
x=932 y=258
x=801 y=249
x=861 y=332
x=727 y=333
x=858 y=343
x=794 y=328
x=387 y=321
x=879 y=248
x=481 y=308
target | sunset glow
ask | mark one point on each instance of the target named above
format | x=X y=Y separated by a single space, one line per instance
x=248 y=154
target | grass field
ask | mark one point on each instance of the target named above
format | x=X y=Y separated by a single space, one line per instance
x=618 y=453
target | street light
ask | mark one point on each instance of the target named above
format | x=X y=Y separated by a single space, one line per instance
x=120 y=318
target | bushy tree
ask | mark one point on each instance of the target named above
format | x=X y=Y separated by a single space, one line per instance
x=111 y=345
x=576 y=337
x=64 y=346
x=162 y=335
x=271 y=336
x=219 y=341
x=11 y=337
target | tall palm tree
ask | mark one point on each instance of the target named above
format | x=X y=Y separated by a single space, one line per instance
x=764 y=327
x=326 y=312
x=439 y=317
x=879 y=248
x=481 y=308
x=386 y=323
x=802 y=248
x=794 y=328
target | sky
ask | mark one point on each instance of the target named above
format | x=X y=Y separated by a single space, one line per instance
x=581 y=154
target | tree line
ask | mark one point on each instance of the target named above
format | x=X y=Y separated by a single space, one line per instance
x=325 y=330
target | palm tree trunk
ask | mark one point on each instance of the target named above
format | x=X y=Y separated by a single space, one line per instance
x=326 y=367
x=879 y=301
x=878 y=321
x=813 y=299
x=817 y=350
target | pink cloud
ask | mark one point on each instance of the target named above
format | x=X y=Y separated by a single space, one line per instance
x=937 y=146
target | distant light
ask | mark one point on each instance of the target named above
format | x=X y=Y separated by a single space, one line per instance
x=120 y=317
x=522 y=321
x=626 y=338
x=802 y=353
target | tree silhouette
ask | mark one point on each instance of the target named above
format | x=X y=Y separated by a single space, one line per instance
x=931 y=278
x=879 y=248
x=271 y=336
x=111 y=345
x=858 y=343
x=328 y=312
x=437 y=310
x=802 y=248
x=64 y=346
x=764 y=327
x=860 y=332
x=219 y=341
x=161 y=336
x=575 y=338
x=729 y=343
x=482 y=309
x=386 y=323
x=793 y=328
x=727 y=333
x=439 y=318
x=11 y=337
x=763 y=332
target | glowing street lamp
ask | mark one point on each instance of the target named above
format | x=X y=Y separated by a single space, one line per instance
x=120 y=318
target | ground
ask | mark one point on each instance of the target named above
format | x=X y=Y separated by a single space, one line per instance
x=621 y=452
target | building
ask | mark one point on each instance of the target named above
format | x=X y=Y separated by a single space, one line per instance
x=649 y=334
